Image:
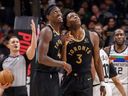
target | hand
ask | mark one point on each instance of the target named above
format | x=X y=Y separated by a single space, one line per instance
x=33 y=27
x=102 y=91
x=67 y=67
x=5 y=86
x=67 y=37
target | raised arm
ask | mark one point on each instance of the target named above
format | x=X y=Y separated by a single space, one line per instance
x=31 y=50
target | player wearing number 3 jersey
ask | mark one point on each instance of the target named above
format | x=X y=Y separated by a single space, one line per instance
x=118 y=54
x=79 y=52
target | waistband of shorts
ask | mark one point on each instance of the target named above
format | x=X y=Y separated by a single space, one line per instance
x=15 y=87
x=75 y=74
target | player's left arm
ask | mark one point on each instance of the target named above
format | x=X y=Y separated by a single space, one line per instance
x=119 y=85
x=31 y=50
x=116 y=81
x=97 y=61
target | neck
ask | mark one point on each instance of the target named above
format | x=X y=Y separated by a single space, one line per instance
x=120 y=47
x=77 y=33
x=14 y=54
x=55 y=26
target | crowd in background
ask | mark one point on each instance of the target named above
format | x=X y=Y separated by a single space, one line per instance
x=111 y=14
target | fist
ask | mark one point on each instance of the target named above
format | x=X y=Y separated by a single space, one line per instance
x=67 y=67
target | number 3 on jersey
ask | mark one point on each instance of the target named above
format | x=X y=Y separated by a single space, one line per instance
x=79 y=61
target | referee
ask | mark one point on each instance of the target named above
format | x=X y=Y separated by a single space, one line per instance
x=17 y=64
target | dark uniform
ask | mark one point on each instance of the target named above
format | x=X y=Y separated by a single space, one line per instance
x=79 y=55
x=45 y=80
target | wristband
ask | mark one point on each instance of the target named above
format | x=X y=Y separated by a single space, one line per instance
x=102 y=83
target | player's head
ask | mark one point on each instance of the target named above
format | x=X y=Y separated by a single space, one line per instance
x=14 y=44
x=119 y=37
x=53 y=14
x=71 y=19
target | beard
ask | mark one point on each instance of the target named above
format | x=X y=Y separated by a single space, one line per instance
x=120 y=43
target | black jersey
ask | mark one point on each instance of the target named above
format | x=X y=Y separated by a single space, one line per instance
x=54 y=51
x=79 y=54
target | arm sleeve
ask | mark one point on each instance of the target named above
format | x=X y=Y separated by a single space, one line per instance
x=112 y=71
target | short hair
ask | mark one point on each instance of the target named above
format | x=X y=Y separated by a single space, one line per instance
x=49 y=9
x=119 y=29
x=65 y=18
x=14 y=36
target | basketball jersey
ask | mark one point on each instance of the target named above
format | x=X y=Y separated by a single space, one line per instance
x=79 y=54
x=55 y=47
x=120 y=61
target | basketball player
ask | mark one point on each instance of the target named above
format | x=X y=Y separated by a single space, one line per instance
x=17 y=64
x=108 y=68
x=79 y=52
x=45 y=80
x=118 y=54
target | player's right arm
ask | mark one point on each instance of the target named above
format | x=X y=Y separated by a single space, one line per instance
x=43 y=47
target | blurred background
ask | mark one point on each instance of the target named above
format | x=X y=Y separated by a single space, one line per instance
x=111 y=14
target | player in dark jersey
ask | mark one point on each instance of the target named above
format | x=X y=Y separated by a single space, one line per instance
x=79 y=52
x=17 y=63
x=45 y=80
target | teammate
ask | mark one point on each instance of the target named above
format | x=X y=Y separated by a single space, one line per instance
x=118 y=54
x=17 y=64
x=109 y=70
x=45 y=79
x=78 y=52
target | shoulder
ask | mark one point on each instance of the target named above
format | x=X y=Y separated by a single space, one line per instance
x=46 y=30
x=94 y=37
x=46 y=33
x=107 y=49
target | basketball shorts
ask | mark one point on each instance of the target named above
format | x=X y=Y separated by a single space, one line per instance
x=77 y=85
x=45 y=84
